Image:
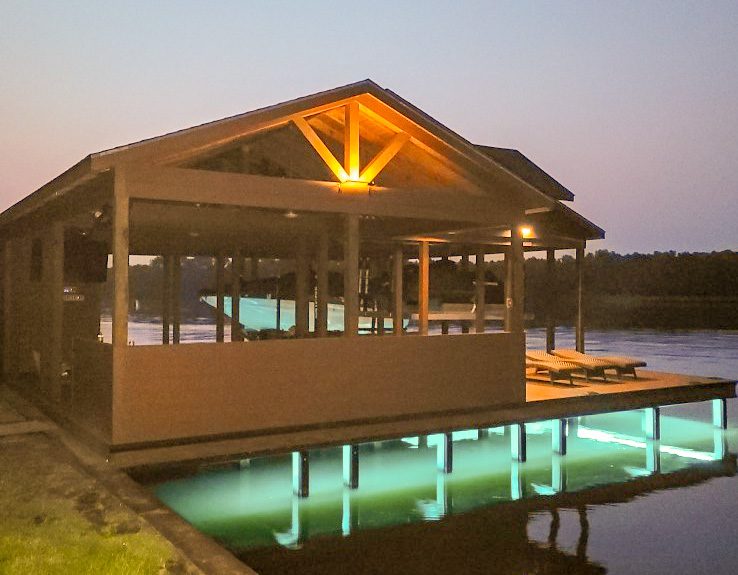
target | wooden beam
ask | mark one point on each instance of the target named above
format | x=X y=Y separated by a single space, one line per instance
x=383 y=157
x=480 y=291
x=351 y=276
x=326 y=155
x=351 y=141
x=423 y=287
x=514 y=282
x=246 y=190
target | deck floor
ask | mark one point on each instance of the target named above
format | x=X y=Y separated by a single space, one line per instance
x=544 y=401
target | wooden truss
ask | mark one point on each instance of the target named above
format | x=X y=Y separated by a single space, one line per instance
x=350 y=174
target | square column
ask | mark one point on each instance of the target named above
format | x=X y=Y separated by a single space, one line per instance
x=518 y=442
x=580 y=299
x=351 y=466
x=166 y=298
x=480 y=289
x=423 y=282
x=301 y=473
x=351 y=276
x=514 y=282
x=445 y=453
x=219 y=297
x=55 y=303
x=120 y=263
x=302 y=282
x=550 y=300
x=558 y=436
x=398 y=261
x=236 y=269
x=321 y=323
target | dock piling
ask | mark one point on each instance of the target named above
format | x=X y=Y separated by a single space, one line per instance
x=653 y=422
x=351 y=466
x=720 y=413
x=445 y=453
x=301 y=473
x=558 y=436
x=518 y=442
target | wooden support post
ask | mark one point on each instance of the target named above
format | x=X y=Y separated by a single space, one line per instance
x=480 y=289
x=176 y=298
x=423 y=287
x=120 y=267
x=518 y=442
x=166 y=297
x=445 y=453
x=580 y=299
x=301 y=473
x=653 y=422
x=398 y=262
x=720 y=413
x=351 y=466
x=220 y=297
x=558 y=436
x=302 y=285
x=9 y=311
x=550 y=300
x=351 y=276
x=236 y=270
x=514 y=283
x=321 y=325
x=56 y=310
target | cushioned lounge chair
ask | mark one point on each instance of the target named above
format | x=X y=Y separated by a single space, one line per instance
x=592 y=367
x=621 y=364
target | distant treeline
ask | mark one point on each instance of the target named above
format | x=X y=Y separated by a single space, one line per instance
x=665 y=290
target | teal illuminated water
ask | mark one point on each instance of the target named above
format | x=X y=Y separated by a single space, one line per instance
x=615 y=503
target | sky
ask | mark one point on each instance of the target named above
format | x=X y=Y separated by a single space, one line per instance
x=633 y=106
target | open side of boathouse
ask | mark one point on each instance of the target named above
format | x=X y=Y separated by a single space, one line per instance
x=326 y=181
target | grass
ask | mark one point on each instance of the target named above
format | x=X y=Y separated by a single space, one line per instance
x=55 y=519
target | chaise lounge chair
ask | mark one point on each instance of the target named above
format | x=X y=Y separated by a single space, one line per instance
x=621 y=364
x=557 y=369
x=592 y=367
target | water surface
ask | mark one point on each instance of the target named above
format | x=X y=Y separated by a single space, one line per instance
x=616 y=503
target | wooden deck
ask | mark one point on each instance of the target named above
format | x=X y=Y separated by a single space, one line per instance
x=544 y=401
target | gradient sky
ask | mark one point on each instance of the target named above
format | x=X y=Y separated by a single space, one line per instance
x=631 y=105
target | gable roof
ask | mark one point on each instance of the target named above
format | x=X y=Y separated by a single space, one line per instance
x=506 y=168
x=518 y=163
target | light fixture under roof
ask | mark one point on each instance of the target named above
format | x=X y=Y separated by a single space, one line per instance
x=290 y=215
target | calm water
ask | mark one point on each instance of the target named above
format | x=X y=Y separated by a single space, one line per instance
x=615 y=504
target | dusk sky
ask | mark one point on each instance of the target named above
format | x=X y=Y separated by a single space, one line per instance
x=631 y=105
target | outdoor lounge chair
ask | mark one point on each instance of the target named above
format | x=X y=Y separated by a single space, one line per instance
x=592 y=367
x=621 y=364
x=556 y=368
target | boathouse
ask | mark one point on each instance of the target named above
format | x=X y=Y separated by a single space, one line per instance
x=324 y=181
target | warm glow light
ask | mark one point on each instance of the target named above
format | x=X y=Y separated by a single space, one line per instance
x=291 y=215
x=351 y=186
x=526 y=231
